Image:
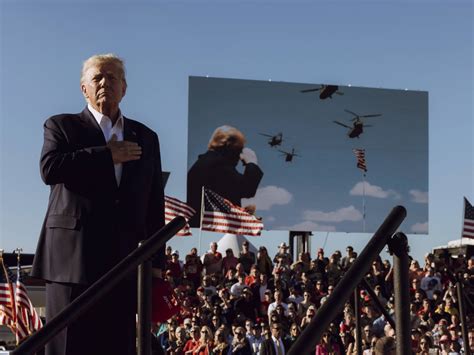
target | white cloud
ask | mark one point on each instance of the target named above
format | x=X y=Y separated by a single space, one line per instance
x=420 y=228
x=373 y=191
x=268 y=196
x=306 y=226
x=343 y=214
x=419 y=196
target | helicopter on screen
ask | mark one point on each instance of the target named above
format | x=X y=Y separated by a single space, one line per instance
x=289 y=156
x=275 y=140
x=325 y=91
x=357 y=124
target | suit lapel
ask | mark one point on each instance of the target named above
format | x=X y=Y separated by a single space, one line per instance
x=93 y=132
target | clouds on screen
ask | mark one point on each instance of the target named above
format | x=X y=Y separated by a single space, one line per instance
x=373 y=191
x=419 y=196
x=420 y=228
x=269 y=196
x=309 y=226
x=349 y=213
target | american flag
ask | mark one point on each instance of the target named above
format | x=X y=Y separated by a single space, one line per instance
x=360 y=155
x=27 y=319
x=468 y=225
x=175 y=208
x=7 y=298
x=220 y=215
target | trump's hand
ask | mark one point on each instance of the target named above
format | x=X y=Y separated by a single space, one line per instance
x=123 y=151
x=248 y=156
x=250 y=209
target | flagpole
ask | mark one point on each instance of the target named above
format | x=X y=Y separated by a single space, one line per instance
x=463 y=217
x=17 y=252
x=325 y=240
x=363 y=204
x=200 y=219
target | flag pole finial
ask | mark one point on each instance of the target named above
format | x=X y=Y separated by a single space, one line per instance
x=18 y=252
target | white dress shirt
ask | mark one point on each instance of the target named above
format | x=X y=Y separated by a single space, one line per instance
x=105 y=124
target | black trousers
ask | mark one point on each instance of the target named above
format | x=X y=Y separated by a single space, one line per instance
x=108 y=328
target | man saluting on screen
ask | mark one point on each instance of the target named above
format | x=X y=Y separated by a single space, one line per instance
x=106 y=195
x=216 y=170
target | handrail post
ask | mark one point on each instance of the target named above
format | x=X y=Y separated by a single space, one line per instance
x=144 y=296
x=399 y=247
x=100 y=288
x=462 y=315
x=358 y=329
x=377 y=302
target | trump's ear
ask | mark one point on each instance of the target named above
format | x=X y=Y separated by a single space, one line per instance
x=84 y=91
x=124 y=90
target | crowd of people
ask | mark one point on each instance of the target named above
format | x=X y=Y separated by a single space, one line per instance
x=259 y=304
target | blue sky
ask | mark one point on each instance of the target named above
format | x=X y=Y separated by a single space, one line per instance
x=419 y=45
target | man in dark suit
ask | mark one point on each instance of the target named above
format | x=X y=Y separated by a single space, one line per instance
x=216 y=170
x=106 y=195
x=274 y=345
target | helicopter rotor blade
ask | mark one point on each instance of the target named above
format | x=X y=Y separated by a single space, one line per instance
x=342 y=124
x=352 y=113
x=374 y=115
x=309 y=90
x=266 y=135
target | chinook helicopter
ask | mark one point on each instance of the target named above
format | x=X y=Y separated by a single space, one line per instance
x=325 y=91
x=289 y=156
x=357 y=124
x=275 y=140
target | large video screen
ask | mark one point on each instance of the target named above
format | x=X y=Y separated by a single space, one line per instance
x=310 y=157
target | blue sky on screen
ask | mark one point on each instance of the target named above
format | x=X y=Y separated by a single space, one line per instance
x=321 y=189
x=419 y=45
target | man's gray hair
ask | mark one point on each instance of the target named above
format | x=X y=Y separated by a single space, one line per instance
x=100 y=59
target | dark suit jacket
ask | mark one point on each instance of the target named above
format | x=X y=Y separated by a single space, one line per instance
x=267 y=347
x=91 y=223
x=217 y=172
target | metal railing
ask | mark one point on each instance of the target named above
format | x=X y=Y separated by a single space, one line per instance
x=101 y=287
x=311 y=335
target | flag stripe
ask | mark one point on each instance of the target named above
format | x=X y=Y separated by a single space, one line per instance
x=25 y=319
x=360 y=155
x=468 y=223
x=221 y=215
x=175 y=208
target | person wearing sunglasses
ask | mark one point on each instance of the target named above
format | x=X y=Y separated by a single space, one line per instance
x=221 y=346
x=294 y=333
x=205 y=342
x=240 y=343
